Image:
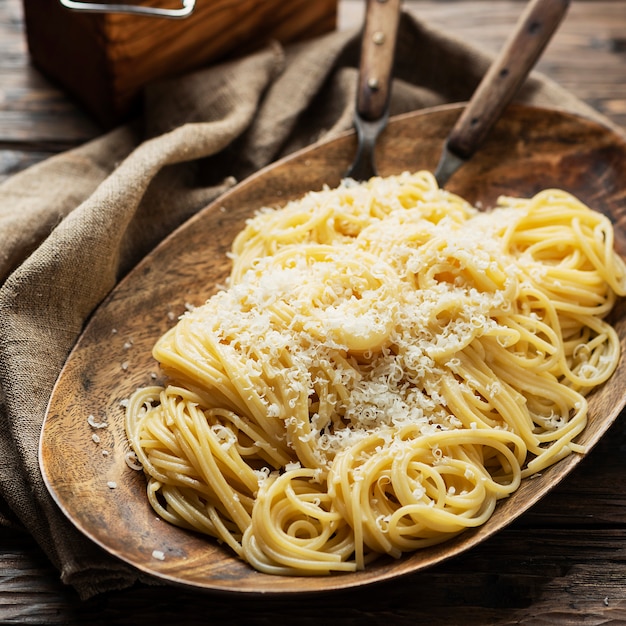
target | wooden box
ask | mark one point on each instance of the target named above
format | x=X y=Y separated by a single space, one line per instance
x=104 y=59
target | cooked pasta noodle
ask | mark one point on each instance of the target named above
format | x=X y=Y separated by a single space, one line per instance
x=384 y=365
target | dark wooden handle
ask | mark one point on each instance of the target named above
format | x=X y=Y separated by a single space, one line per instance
x=506 y=75
x=377 y=53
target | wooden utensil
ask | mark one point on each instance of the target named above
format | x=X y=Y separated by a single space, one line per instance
x=374 y=84
x=529 y=149
x=501 y=83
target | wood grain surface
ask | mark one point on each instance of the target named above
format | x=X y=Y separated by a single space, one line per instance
x=561 y=563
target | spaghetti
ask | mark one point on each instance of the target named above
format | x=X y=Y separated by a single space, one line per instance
x=385 y=364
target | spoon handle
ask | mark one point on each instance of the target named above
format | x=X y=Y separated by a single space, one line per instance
x=377 y=53
x=505 y=76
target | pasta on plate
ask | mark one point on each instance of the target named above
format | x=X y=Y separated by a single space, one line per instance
x=384 y=365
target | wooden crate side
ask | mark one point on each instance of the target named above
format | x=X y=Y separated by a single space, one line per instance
x=105 y=60
x=68 y=47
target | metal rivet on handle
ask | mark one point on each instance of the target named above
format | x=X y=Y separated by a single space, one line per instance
x=378 y=38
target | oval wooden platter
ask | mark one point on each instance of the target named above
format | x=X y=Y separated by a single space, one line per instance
x=529 y=149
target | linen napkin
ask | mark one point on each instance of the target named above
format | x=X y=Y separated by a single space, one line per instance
x=73 y=225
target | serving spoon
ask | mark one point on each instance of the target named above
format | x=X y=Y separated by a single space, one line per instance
x=501 y=83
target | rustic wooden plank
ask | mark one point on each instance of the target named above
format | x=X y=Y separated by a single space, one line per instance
x=30 y=591
x=37 y=118
x=558 y=577
x=593 y=495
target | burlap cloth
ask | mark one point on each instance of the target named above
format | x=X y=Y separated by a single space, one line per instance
x=71 y=226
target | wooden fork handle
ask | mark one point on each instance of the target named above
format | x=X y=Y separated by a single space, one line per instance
x=377 y=55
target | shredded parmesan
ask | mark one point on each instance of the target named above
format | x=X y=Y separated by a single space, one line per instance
x=91 y=420
x=130 y=459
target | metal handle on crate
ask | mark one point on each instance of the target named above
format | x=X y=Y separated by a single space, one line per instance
x=95 y=7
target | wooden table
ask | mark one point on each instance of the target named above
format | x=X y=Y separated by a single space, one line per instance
x=563 y=562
